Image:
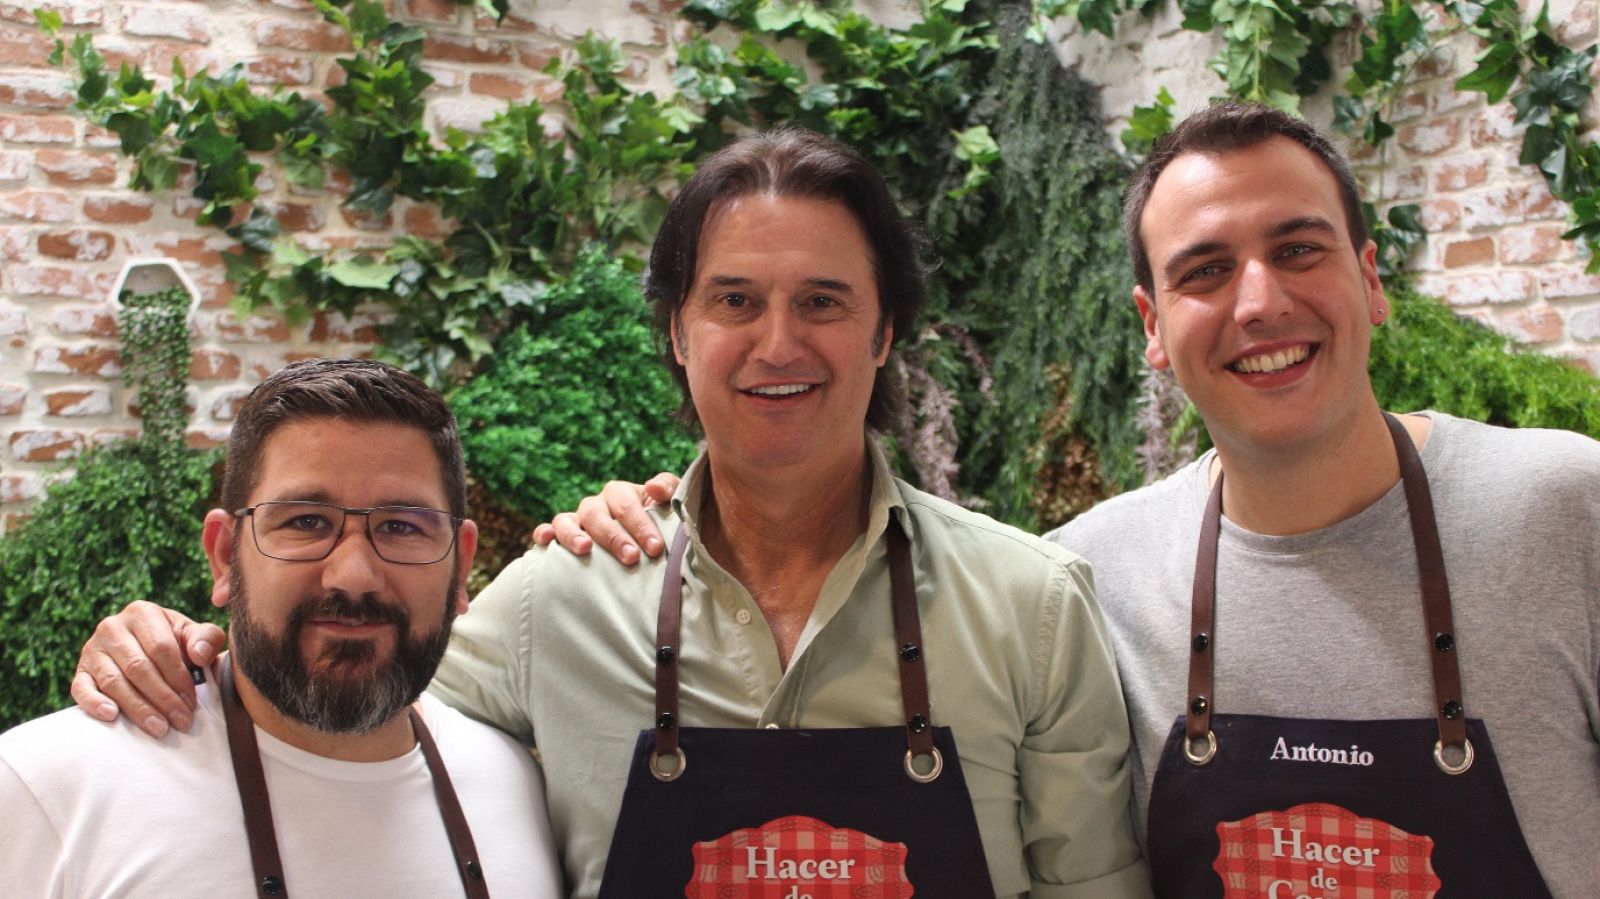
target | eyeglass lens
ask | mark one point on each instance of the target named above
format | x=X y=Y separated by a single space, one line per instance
x=308 y=531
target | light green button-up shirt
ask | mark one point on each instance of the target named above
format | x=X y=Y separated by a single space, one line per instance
x=559 y=652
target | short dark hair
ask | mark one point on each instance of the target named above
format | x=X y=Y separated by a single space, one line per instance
x=1225 y=128
x=792 y=162
x=352 y=390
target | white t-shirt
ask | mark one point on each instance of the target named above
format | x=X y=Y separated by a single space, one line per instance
x=102 y=810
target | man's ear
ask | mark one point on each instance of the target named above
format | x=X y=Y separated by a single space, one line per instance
x=680 y=347
x=885 y=340
x=466 y=549
x=217 y=538
x=1377 y=303
x=1154 y=352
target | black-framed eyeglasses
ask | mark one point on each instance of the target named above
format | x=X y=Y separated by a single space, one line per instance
x=308 y=531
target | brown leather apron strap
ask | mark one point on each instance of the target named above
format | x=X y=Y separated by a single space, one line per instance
x=263 y=839
x=1449 y=709
x=455 y=820
x=1436 y=606
x=1202 y=624
x=908 y=640
x=668 y=624
x=252 y=782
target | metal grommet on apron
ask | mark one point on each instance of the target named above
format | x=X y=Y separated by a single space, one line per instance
x=1256 y=805
x=752 y=810
x=252 y=782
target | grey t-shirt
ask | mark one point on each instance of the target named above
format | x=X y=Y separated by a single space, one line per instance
x=1329 y=624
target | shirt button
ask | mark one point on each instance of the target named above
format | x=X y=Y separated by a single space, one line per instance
x=773 y=726
x=742 y=616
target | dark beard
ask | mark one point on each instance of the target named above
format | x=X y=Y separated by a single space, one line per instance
x=350 y=691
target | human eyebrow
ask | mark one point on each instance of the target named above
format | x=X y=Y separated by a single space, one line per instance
x=1174 y=269
x=728 y=281
x=830 y=284
x=1315 y=224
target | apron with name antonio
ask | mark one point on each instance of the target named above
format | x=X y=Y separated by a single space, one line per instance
x=839 y=813
x=1250 y=806
x=263 y=840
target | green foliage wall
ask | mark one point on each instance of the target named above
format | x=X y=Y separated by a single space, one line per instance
x=574 y=397
x=1427 y=357
x=1035 y=268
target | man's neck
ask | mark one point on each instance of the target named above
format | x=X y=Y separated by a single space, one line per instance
x=1296 y=492
x=392 y=739
x=781 y=533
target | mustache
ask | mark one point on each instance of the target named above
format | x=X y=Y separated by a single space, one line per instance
x=366 y=609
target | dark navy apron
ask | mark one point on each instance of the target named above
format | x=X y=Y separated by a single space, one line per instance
x=797 y=813
x=263 y=840
x=1298 y=808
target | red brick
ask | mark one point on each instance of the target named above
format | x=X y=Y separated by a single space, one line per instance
x=1534 y=325
x=424 y=222
x=19 y=488
x=201 y=251
x=1495 y=124
x=280 y=70
x=298 y=217
x=1458 y=174
x=486 y=84
x=78 y=245
x=13 y=321
x=71 y=167
x=459 y=48
x=108 y=436
x=24 y=49
x=1509 y=205
x=38 y=129
x=158 y=57
x=179 y=23
x=1469 y=252
x=43 y=281
x=214 y=365
x=12 y=398
x=1568 y=281
x=73 y=12
x=364 y=220
x=636 y=69
x=255 y=329
x=1437 y=63
x=331 y=326
x=225 y=405
x=15 y=165
x=1525 y=245
x=1577 y=27
x=80 y=321
x=118 y=210
x=537 y=56
x=1440 y=215
x=207 y=439
x=78 y=402
x=292 y=34
x=89 y=359
x=36 y=206
x=1479 y=288
x=1430 y=138
x=441 y=11
x=45 y=446
x=41 y=89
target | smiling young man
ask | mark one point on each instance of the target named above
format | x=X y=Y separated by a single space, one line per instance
x=308 y=768
x=1359 y=650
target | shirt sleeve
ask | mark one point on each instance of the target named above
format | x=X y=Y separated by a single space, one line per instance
x=1074 y=773
x=30 y=853
x=484 y=672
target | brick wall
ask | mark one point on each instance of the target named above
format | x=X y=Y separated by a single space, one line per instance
x=67 y=224
x=1494 y=247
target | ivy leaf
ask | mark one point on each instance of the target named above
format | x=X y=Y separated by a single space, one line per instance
x=258 y=232
x=49 y=21
x=362 y=272
x=1147 y=123
x=1496 y=72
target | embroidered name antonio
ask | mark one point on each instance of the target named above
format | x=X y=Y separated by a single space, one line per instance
x=1311 y=752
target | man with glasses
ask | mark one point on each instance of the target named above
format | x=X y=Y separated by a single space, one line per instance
x=310 y=767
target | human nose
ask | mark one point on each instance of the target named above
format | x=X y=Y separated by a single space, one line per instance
x=1261 y=296
x=779 y=342
x=353 y=566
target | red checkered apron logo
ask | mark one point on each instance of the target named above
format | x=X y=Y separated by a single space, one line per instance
x=798 y=858
x=1321 y=851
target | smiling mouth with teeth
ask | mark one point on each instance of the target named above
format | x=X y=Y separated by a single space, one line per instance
x=1267 y=363
x=781 y=389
